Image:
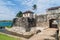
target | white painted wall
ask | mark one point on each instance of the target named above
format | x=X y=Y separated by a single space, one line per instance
x=28 y=15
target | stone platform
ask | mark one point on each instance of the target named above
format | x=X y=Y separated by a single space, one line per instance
x=45 y=34
x=48 y=34
x=21 y=31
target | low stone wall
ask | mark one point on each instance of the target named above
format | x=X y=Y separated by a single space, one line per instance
x=20 y=31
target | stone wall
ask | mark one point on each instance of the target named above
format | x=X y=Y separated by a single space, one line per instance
x=54 y=16
x=25 y=22
x=38 y=21
x=59 y=25
x=41 y=21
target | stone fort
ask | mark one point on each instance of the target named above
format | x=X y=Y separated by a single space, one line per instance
x=50 y=19
x=31 y=23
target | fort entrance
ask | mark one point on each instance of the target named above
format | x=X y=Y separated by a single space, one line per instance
x=53 y=23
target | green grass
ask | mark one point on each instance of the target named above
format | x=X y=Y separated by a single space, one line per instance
x=8 y=26
x=6 y=37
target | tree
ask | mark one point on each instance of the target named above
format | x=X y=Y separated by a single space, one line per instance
x=19 y=14
x=34 y=7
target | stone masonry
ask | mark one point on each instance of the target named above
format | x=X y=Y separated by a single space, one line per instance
x=26 y=22
x=50 y=20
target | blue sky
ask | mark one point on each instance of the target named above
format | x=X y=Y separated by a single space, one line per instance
x=9 y=8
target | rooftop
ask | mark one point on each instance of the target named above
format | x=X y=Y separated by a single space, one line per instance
x=28 y=12
x=53 y=8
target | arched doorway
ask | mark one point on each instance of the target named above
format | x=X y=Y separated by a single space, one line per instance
x=53 y=23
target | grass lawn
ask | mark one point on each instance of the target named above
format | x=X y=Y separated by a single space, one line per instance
x=6 y=37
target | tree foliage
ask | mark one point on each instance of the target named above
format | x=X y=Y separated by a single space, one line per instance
x=34 y=6
x=19 y=14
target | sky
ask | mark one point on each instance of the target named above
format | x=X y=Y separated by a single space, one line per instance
x=9 y=8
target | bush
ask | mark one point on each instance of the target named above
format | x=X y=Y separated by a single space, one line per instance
x=8 y=26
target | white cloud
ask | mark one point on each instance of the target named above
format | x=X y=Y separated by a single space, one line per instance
x=6 y=17
x=42 y=5
x=6 y=12
x=27 y=2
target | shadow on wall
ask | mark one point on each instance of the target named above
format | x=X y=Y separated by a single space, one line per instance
x=31 y=23
x=14 y=21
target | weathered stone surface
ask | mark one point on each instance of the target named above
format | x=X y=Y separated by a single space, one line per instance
x=27 y=25
x=25 y=22
x=48 y=34
x=59 y=31
x=21 y=31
